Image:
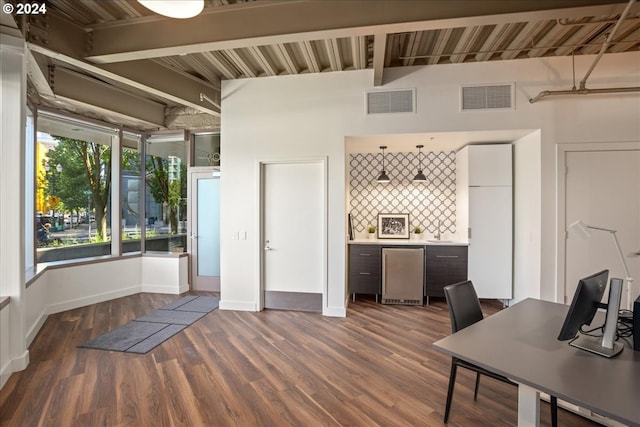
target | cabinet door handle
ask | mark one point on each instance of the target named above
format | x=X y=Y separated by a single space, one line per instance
x=365 y=254
x=447 y=256
x=365 y=274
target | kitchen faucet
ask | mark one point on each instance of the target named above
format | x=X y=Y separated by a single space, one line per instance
x=436 y=235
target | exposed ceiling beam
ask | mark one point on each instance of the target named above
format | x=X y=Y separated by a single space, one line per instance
x=244 y=66
x=333 y=52
x=500 y=35
x=310 y=57
x=412 y=47
x=37 y=71
x=524 y=40
x=263 y=61
x=440 y=45
x=70 y=85
x=465 y=44
x=220 y=64
x=268 y=23
x=64 y=41
x=285 y=58
x=359 y=52
x=379 y=51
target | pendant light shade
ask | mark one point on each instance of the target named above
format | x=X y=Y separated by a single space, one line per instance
x=383 y=177
x=180 y=9
x=420 y=176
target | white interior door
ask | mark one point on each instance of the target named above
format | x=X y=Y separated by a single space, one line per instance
x=293 y=235
x=603 y=189
x=204 y=199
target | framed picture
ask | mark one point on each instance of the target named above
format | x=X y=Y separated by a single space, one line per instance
x=393 y=226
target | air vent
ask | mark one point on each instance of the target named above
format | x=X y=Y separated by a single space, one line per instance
x=402 y=301
x=391 y=101
x=487 y=97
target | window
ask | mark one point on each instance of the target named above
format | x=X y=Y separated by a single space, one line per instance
x=73 y=188
x=131 y=185
x=166 y=193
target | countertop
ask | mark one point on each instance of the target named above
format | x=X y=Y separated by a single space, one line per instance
x=407 y=242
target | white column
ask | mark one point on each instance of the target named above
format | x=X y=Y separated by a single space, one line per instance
x=12 y=200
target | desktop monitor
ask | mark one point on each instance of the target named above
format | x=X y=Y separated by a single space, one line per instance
x=584 y=306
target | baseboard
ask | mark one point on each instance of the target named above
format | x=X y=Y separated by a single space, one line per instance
x=159 y=289
x=35 y=328
x=334 y=311
x=93 y=299
x=14 y=365
x=238 y=305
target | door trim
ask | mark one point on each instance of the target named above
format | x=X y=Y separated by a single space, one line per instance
x=561 y=213
x=259 y=250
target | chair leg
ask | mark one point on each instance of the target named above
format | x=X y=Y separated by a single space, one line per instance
x=452 y=382
x=475 y=392
x=553 y=401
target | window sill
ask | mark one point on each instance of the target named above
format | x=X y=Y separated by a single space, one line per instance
x=33 y=273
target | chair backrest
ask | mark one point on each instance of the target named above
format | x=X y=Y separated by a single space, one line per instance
x=464 y=305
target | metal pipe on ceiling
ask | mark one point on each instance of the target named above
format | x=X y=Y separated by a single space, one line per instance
x=605 y=46
x=583 y=90
x=574 y=91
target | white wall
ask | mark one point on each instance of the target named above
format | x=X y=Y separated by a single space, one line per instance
x=527 y=216
x=5 y=345
x=310 y=115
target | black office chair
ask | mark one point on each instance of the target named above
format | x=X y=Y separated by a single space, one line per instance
x=465 y=310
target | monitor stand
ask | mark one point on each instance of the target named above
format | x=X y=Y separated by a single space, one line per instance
x=594 y=345
x=606 y=345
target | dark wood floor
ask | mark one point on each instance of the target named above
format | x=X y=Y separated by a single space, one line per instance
x=376 y=367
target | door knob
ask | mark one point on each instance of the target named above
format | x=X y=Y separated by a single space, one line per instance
x=267 y=247
x=193 y=236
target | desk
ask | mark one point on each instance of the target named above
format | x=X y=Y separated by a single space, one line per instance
x=520 y=343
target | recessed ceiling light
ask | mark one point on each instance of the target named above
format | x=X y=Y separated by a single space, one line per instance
x=180 y=9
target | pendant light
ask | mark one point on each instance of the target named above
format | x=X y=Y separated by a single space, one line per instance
x=180 y=9
x=383 y=178
x=420 y=176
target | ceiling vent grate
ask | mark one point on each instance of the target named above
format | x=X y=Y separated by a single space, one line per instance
x=391 y=101
x=487 y=97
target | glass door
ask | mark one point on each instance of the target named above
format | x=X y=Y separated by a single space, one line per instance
x=204 y=236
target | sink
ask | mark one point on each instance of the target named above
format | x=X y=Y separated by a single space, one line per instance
x=439 y=241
